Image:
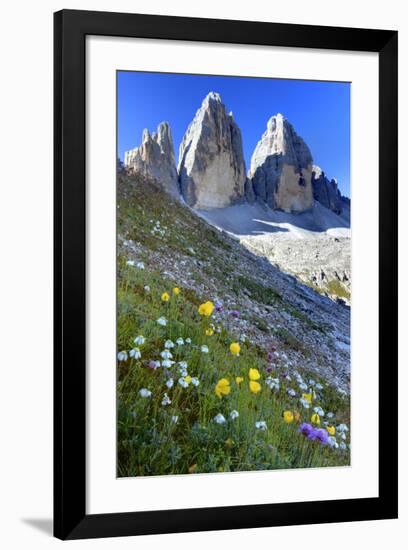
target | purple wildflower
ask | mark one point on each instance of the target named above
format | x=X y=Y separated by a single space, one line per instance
x=314 y=434
x=153 y=364
x=269 y=369
x=218 y=306
x=322 y=436
x=271 y=355
x=306 y=429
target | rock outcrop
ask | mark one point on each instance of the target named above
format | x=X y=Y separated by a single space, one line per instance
x=155 y=158
x=211 y=162
x=326 y=191
x=281 y=168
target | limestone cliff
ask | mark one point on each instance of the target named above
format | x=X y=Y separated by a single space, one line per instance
x=211 y=161
x=155 y=158
x=281 y=168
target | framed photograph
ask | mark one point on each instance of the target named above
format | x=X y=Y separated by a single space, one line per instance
x=225 y=274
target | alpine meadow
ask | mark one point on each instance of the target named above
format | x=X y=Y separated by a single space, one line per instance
x=233 y=276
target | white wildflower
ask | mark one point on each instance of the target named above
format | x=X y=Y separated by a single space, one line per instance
x=174 y=419
x=261 y=425
x=183 y=383
x=332 y=442
x=188 y=340
x=219 y=418
x=146 y=288
x=180 y=342
x=195 y=381
x=166 y=400
x=145 y=392
x=140 y=265
x=139 y=340
x=130 y=262
x=272 y=383
x=162 y=321
x=135 y=353
x=168 y=344
x=122 y=356
x=234 y=414
x=204 y=349
x=342 y=428
x=166 y=354
x=291 y=392
x=319 y=411
x=170 y=383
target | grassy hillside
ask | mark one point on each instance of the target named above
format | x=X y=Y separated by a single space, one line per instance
x=229 y=386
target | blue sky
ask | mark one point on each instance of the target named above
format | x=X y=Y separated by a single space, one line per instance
x=319 y=111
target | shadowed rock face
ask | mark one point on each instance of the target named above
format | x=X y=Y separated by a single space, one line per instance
x=281 y=168
x=211 y=161
x=155 y=158
x=326 y=191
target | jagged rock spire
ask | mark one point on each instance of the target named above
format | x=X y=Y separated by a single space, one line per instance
x=155 y=158
x=211 y=161
x=281 y=167
x=326 y=191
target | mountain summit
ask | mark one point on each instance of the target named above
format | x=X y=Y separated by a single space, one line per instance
x=155 y=158
x=281 y=168
x=211 y=161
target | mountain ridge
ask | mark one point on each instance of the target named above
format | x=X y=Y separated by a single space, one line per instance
x=211 y=171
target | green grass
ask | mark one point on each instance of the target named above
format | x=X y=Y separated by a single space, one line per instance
x=337 y=289
x=149 y=442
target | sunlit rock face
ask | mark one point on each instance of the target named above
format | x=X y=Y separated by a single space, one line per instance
x=155 y=158
x=281 y=168
x=211 y=162
x=326 y=191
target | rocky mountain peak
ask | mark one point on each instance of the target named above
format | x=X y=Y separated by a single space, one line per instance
x=211 y=161
x=212 y=97
x=155 y=158
x=281 y=167
x=326 y=191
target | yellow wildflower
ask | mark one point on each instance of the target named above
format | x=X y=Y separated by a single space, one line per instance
x=239 y=379
x=235 y=348
x=254 y=374
x=307 y=397
x=176 y=291
x=206 y=309
x=222 y=387
x=288 y=417
x=331 y=430
x=165 y=297
x=255 y=387
x=315 y=419
x=209 y=331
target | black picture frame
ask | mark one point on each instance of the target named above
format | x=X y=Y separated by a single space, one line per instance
x=70 y=30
